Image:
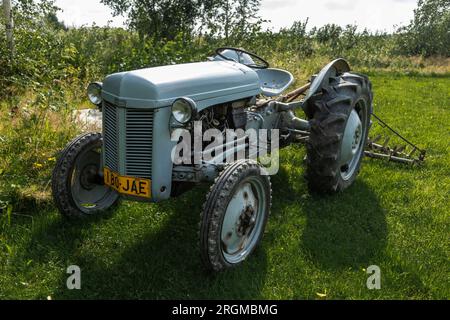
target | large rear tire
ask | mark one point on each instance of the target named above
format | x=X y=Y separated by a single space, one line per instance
x=340 y=121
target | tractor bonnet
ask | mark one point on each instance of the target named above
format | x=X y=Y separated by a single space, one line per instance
x=207 y=83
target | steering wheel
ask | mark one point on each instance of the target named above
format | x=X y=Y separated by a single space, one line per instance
x=263 y=64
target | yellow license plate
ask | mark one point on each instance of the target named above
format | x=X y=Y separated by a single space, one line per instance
x=138 y=187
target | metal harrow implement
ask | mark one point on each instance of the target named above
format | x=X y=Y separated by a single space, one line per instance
x=379 y=147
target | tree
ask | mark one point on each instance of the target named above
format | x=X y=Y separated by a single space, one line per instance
x=247 y=19
x=429 y=32
x=9 y=25
x=53 y=21
x=166 y=19
x=159 y=18
x=233 y=19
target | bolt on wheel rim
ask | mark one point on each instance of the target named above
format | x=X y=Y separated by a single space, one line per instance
x=243 y=221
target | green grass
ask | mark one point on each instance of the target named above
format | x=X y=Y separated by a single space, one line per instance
x=394 y=216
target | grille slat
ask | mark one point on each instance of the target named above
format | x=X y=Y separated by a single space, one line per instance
x=139 y=142
x=110 y=137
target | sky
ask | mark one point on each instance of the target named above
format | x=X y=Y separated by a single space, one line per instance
x=375 y=15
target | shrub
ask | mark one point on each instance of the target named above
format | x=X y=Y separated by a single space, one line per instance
x=429 y=32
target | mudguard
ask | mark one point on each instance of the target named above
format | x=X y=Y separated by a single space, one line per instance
x=332 y=69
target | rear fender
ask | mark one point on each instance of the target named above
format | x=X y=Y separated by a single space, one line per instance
x=332 y=69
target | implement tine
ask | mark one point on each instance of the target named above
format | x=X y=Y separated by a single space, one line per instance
x=376 y=139
x=385 y=144
x=401 y=149
x=423 y=153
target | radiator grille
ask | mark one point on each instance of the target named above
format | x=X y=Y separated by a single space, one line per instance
x=139 y=142
x=110 y=136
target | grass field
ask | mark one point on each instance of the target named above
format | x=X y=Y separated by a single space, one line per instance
x=394 y=216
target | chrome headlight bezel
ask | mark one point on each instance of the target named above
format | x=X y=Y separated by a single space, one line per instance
x=94 y=93
x=183 y=110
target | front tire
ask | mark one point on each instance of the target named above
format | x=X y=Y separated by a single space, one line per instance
x=77 y=187
x=234 y=215
x=340 y=121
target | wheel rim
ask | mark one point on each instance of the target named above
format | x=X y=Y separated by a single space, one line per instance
x=353 y=141
x=243 y=221
x=87 y=190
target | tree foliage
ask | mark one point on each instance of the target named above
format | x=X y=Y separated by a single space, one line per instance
x=429 y=32
x=50 y=55
x=159 y=18
x=166 y=19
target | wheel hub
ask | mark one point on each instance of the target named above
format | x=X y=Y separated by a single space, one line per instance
x=246 y=222
x=351 y=141
x=89 y=177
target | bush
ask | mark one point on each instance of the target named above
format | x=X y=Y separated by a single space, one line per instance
x=51 y=57
x=429 y=32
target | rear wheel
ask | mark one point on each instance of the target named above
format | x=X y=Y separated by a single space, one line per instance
x=340 y=121
x=77 y=184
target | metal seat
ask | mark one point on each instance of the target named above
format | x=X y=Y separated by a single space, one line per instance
x=274 y=81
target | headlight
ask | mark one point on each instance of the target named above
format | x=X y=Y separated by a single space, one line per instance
x=183 y=110
x=94 y=92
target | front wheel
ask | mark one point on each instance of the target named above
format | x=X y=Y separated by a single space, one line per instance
x=234 y=215
x=340 y=122
x=77 y=184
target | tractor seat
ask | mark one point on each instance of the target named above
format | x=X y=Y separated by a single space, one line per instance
x=274 y=81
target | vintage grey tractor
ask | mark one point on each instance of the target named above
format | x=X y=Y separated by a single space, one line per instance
x=132 y=158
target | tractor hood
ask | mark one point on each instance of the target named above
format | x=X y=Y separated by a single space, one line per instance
x=207 y=83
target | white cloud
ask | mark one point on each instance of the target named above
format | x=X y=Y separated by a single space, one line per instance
x=374 y=15
x=340 y=5
x=277 y=4
x=86 y=12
